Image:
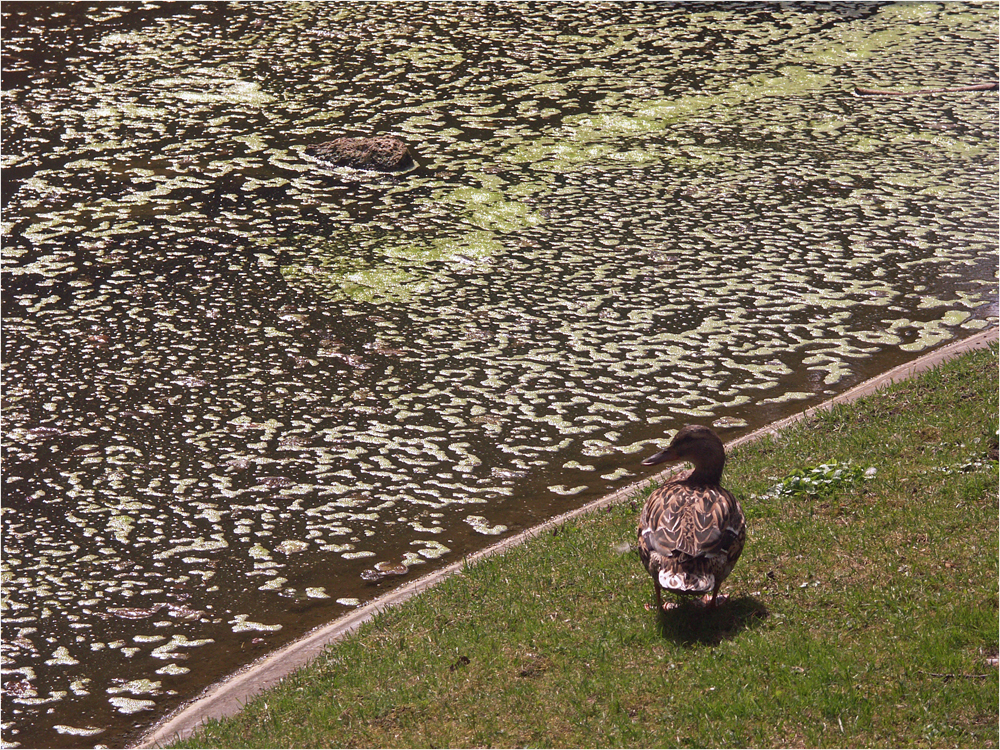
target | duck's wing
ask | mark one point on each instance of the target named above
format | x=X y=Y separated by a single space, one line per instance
x=698 y=521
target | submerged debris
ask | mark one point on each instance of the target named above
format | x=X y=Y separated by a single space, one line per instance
x=377 y=154
x=985 y=86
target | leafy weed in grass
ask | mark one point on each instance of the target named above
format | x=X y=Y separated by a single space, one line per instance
x=822 y=480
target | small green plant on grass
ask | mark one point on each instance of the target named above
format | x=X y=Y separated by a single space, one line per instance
x=821 y=481
x=976 y=462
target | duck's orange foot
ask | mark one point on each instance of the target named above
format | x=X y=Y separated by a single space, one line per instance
x=709 y=601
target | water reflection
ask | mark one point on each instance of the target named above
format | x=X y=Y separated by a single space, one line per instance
x=243 y=394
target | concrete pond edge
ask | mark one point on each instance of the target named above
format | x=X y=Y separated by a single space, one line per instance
x=229 y=696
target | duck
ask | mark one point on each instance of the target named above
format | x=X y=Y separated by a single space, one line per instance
x=691 y=530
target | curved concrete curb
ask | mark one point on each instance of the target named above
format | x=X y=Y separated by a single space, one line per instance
x=229 y=696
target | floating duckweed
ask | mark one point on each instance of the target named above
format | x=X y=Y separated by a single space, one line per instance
x=292 y=546
x=131 y=705
x=78 y=731
x=275 y=584
x=168 y=650
x=172 y=670
x=729 y=422
x=198 y=545
x=242 y=624
x=79 y=687
x=54 y=697
x=483 y=526
x=136 y=687
x=561 y=489
x=259 y=552
x=358 y=554
x=121 y=526
x=617 y=474
x=975 y=325
x=431 y=549
x=785 y=397
x=61 y=657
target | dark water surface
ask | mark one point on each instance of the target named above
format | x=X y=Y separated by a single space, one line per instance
x=242 y=394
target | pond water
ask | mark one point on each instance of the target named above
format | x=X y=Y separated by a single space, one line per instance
x=243 y=394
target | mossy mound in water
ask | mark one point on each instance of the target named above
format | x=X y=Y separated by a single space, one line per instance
x=378 y=154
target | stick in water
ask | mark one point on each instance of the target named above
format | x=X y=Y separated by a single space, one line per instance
x=987 y=86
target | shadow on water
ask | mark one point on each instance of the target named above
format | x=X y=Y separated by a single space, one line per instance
x=692 y=623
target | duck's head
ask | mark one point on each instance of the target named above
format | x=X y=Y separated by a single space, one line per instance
x=697 y=444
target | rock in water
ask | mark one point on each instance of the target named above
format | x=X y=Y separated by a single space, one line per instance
x=382 y=153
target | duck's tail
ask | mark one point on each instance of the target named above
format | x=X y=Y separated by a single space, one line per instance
x=687 y=582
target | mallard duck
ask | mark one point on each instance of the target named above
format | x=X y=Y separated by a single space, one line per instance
x=691 y=530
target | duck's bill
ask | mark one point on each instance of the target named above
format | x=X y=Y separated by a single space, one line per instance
x=659 y=458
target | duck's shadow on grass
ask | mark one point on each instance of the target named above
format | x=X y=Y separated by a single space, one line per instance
x=692 y=623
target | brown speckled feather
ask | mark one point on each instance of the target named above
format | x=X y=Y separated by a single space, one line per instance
x=690 y=536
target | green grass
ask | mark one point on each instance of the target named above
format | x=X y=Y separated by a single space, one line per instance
x=863 y=616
